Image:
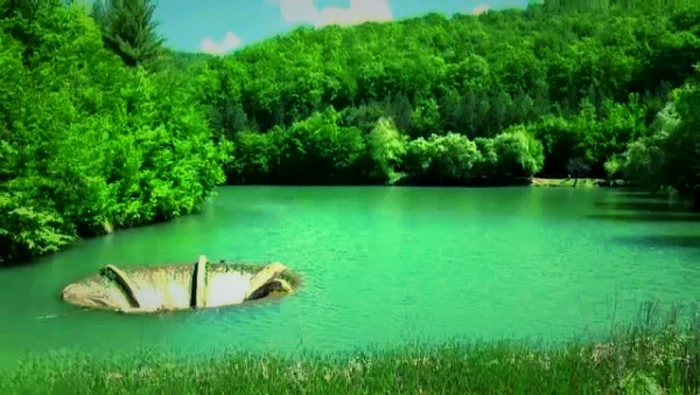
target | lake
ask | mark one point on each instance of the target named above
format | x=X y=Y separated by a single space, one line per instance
x=381 y=267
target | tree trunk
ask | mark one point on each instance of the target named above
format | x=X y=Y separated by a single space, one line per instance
x=575 y=181
x=696 y=200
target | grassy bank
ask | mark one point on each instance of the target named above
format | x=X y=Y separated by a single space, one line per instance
x=660 y=357
x=574 y=183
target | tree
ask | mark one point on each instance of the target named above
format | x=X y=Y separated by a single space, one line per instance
x=401 y=111
x=387 y=147
x=88 y=145
x=644 y=162
x=129 y=30
x=671 y=157
x=583 y=83
x=683 y=144
x=577 y=168
x=519 y=153
x=613 y=169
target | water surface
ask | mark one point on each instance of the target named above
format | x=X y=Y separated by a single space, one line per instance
x=381 y=266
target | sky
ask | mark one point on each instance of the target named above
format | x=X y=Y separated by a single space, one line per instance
x=222 y=26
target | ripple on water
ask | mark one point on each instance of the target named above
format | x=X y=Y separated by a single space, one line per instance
x=380 y=266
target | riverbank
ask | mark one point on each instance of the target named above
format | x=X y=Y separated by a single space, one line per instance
x=648 y=358
x=537 y=182
x=575 y=183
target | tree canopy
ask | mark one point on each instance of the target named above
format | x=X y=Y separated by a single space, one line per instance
x=128 y=29
x=87 y=145
x=670 y=157
x=104 y=128
x=584 y=81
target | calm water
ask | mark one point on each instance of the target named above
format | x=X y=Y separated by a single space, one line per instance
x=381 y=266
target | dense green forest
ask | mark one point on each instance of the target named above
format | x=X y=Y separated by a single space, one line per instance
x=102 y=127
x=88 y=145
x=466 y=95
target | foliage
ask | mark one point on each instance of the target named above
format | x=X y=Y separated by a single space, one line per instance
x=387 y=148
x=87 y=145
x=445 y=159
x=683 y=146
x=519 y=153
x=256 y=156
x=320 y=150
x=671 y=157
x=644 y=162
x=128 y=29
x=584 y=82
x=613 y=168
x=454 y=159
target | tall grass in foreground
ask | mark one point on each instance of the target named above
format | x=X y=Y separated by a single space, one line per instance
x=651 y=357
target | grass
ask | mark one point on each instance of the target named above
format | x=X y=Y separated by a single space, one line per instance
x=651 y=357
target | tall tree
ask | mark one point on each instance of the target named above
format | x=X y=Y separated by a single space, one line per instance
x=129 y=30
x=683 y=146
x=671 y=157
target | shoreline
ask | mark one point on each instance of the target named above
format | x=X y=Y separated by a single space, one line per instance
x=576 y=183
x=535 y=182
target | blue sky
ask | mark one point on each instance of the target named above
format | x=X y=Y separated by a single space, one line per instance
x=219 y=26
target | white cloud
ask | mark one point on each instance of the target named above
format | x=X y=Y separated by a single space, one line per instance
x=229 y=43
x=305 y=11
x=480 y=9
x=298 y=11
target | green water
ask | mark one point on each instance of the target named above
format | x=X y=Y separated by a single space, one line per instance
x=381 y=266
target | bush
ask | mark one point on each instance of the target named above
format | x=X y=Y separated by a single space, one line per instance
x=387 y=147
x=519 y=153
x=614 y=168
x=320 y=150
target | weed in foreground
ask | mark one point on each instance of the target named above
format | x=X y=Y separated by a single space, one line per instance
x=652 y=357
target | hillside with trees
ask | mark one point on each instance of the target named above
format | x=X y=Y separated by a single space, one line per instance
x=585 y=84
x=554 y=90
x=102 y=127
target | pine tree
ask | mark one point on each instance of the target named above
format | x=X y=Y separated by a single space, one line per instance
x=128 y=29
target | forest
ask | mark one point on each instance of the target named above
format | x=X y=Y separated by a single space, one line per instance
x=102 y=127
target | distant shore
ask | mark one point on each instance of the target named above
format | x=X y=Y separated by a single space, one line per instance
x=577 y=183
x=538 y=182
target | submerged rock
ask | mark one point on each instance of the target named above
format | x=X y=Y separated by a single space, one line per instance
x=179 y=287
